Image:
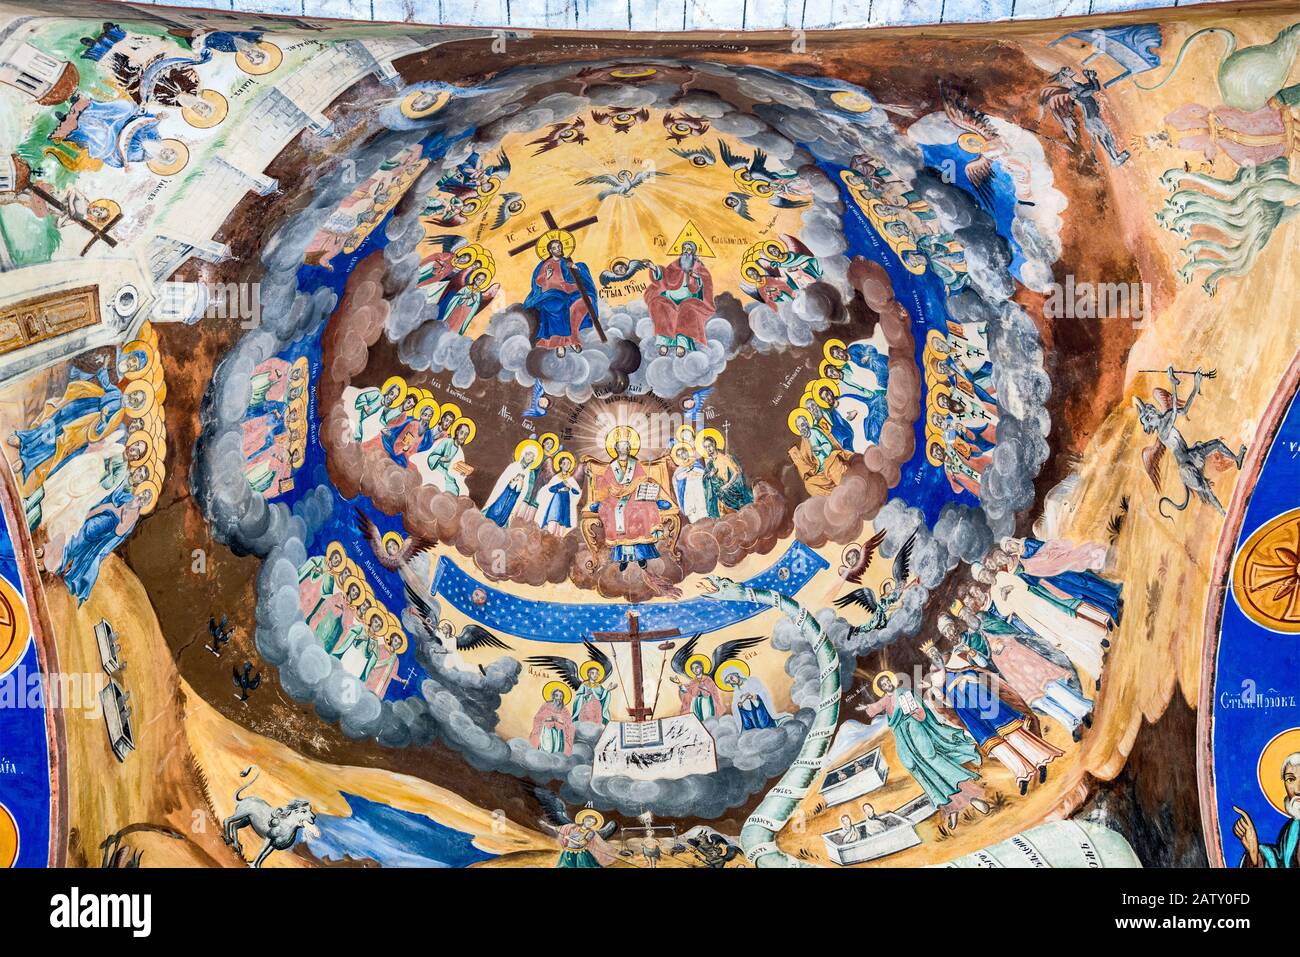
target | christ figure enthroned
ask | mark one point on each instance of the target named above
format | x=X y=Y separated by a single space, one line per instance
x=629 y=499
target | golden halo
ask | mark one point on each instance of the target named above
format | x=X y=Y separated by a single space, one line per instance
x=686 y=433
x=363 y=596
x=588 y=814
x=148 y=485
x=684 y=451
x=1269 y=774
x=833 y=344
x=705 y=662
x=455 y=427
x=588 y=665
x=563 y=457
x=972 y=143
x=618 y=434
x=145 y=388
x=541 y=439
x=402 y=389
x=935 y=392
x=567 y=242
x=826 y=365
x=8 y=837
x=147 y=440
x=713 y=434
x=550 y=686
x=180 y=158
x=150 y=358
x=815 y=390
x=875 y=685
x=408 y=103
x=391 y=537
x=425 y=404
x=752 y=272
x=401 y=645
x=269 y=50
x=633 y=72
x=852 y=101
x=219 y=110
x=731 y=664
x=795 y=415
x=929 y=450
x=537 y=452
x=335 y=548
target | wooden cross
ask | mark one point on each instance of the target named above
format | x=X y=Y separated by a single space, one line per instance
x=586 y=300
x=98 y=233
x=634 y=635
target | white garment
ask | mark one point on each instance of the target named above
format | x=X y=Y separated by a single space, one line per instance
x=693 y=503
x=1079 y=638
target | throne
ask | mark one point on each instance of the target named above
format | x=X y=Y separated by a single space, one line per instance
x=670 y=519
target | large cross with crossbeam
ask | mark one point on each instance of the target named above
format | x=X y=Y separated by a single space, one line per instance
x=577 y=224
x=634 y=635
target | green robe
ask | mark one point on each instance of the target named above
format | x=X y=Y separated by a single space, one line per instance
x=440 y=459
x=933 y=752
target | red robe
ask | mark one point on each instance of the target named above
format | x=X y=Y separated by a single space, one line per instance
x=639 y=518
x=685 y=318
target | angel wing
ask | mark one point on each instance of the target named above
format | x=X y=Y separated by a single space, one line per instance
x=504 y=212
x=785 y=202
x=411 y=546
x=566 y=669
x=641 y=177
x=861 y=597
x=476 y=636
x=854 y=572
x=501 y=167
x=605 y=179
x=598 y=656
x=1152 y=456
x=420 y=609
x=734 y=160
x=729 y=649
x=683 y=653
x=964 y=116
x=1058 y=101
x=980 y=173
x=447 y=242
x=903 y=561
x=740 y=203
x=698 y=156
x=554 y=811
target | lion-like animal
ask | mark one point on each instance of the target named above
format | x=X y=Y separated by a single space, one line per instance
x=279 y=827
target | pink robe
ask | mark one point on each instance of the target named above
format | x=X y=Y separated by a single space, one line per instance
x=1027 y=672
x=703 y=685
x=639 y=518
x=562 y=719
x=1061 y=555
x=1248 y=139
x=687 y=317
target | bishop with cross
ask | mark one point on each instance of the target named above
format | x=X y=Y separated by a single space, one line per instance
x=563 y=295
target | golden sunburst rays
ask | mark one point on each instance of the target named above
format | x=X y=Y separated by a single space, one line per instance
x=640 y=223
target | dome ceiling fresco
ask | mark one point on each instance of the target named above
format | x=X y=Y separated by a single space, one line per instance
x=519 y=450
